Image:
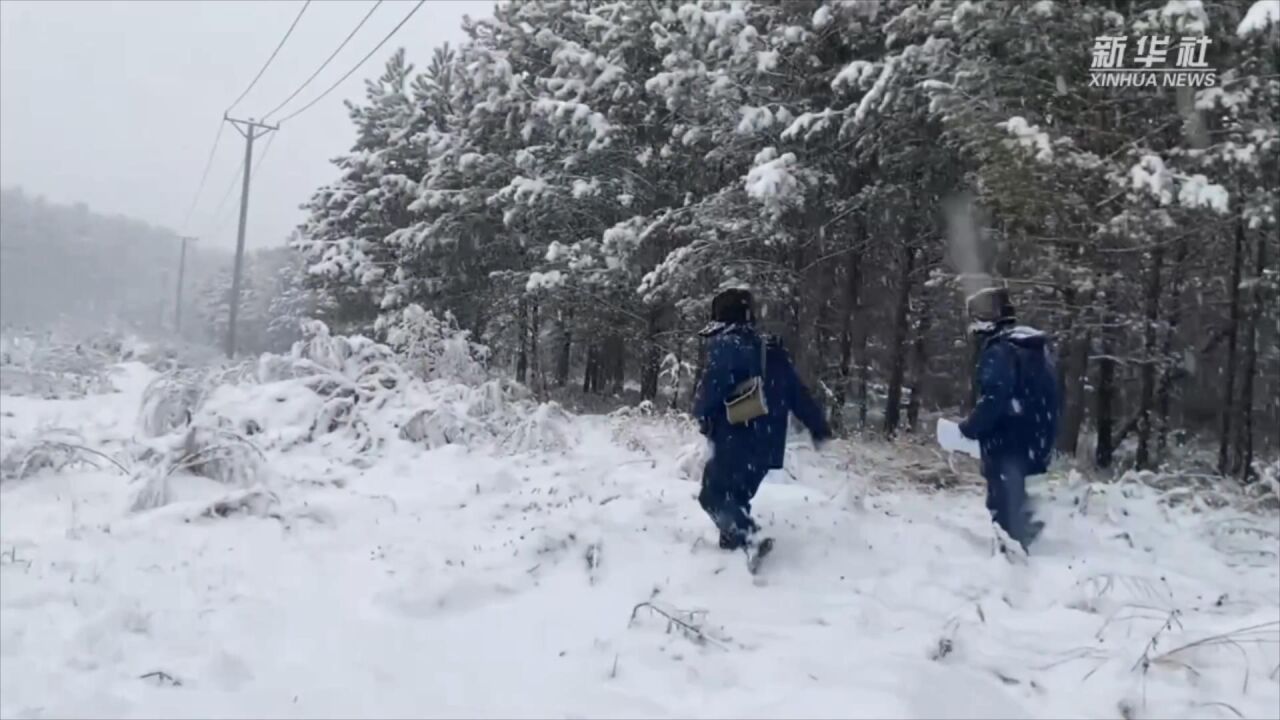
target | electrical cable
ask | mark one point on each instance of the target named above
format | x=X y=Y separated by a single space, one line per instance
x=377 y=47
x=204 y=177
x=325 y=64
x=273 y=56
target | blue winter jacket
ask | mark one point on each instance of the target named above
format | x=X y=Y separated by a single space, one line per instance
x=733 y=356
x=1016 y=416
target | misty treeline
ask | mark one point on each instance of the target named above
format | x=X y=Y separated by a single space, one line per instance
x=64 y=266
x=70 y=272
x=273 y=301
x=576 y=180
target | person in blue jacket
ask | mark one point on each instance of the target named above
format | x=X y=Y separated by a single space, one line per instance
x=742 y=454
x=1015 y=419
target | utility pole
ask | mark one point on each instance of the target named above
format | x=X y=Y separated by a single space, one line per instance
x=161 y=310
x=250 y=130
x=182 y=270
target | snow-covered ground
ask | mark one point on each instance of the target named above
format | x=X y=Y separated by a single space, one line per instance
x=451 y=582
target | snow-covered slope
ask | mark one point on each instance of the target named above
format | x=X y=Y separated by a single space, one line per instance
x=585 y=582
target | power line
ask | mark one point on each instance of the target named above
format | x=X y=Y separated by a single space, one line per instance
x=325 y=63
x=376 y=48
x=204 y=176
x=208 y=163
x=273 y=56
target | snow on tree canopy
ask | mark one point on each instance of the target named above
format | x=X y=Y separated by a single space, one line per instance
x=547 y=280
x=1184 y=16
x=1262 y=15
x=1043 y=8
x=754 y=119
x=1151 y=175
x=772 y=181
x=821 y=17
x=1198 y=192
x=1029 y=136
x=665 y=147
x=853 y=75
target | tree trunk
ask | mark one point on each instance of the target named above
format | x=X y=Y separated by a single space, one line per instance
x=615 y=363
x=535 y=356
x=852 y=314
x=652 y=358
x=864 y=382
x=1104 y=394
x=919 y=370
x=1077 y=396
x=1233 y=330
x=1244 y=438
x=975 y=354
x=522 y=361
x=794 y=337
x=1068 y=332
x=562 y=360
x=1146 y=399
x=898 y=363
x=591 y=369
x=1164 y=396
x=1074 y=370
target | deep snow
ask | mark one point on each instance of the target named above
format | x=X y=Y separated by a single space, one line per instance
x=459 y=583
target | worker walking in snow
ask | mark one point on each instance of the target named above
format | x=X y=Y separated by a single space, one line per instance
x=1015 y=419
x=746 y=396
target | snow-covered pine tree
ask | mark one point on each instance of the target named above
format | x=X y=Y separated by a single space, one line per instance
x=578 y=176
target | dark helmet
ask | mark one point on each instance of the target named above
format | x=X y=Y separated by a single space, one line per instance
x=733 y=306
x=990 y=310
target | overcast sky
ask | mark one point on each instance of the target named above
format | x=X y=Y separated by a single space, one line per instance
x=115 y=104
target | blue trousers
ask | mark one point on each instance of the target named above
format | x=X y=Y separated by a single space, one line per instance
x=1007 y=499
x=727 y=490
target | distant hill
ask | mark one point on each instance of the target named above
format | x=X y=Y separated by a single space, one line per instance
x=67 y=266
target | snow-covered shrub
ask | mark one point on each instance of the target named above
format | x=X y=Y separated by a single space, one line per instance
x=52 y=450
x=220 y=455
x=356 y=360
x=202 y=452
x=171 y=354
x=644 y=429
x=548 y=428
x=378 y=371
x=444 y=425
x=675 y=378
x=233 y=373
x=273 y=414
x=691 y=459
x=322 y=348
x=169 y=402
x=332 y=380
x=497 y=397
x=53 y=368
x=272 y=368
x=252 y=501
x=337 y=412
x=434 y=348
x=1199 y=491
x=1267 y=486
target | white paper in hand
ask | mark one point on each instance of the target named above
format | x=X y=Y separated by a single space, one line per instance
x=951 y=440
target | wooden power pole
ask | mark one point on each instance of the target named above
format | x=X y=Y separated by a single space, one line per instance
x=182 y=270
x=250 y=130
